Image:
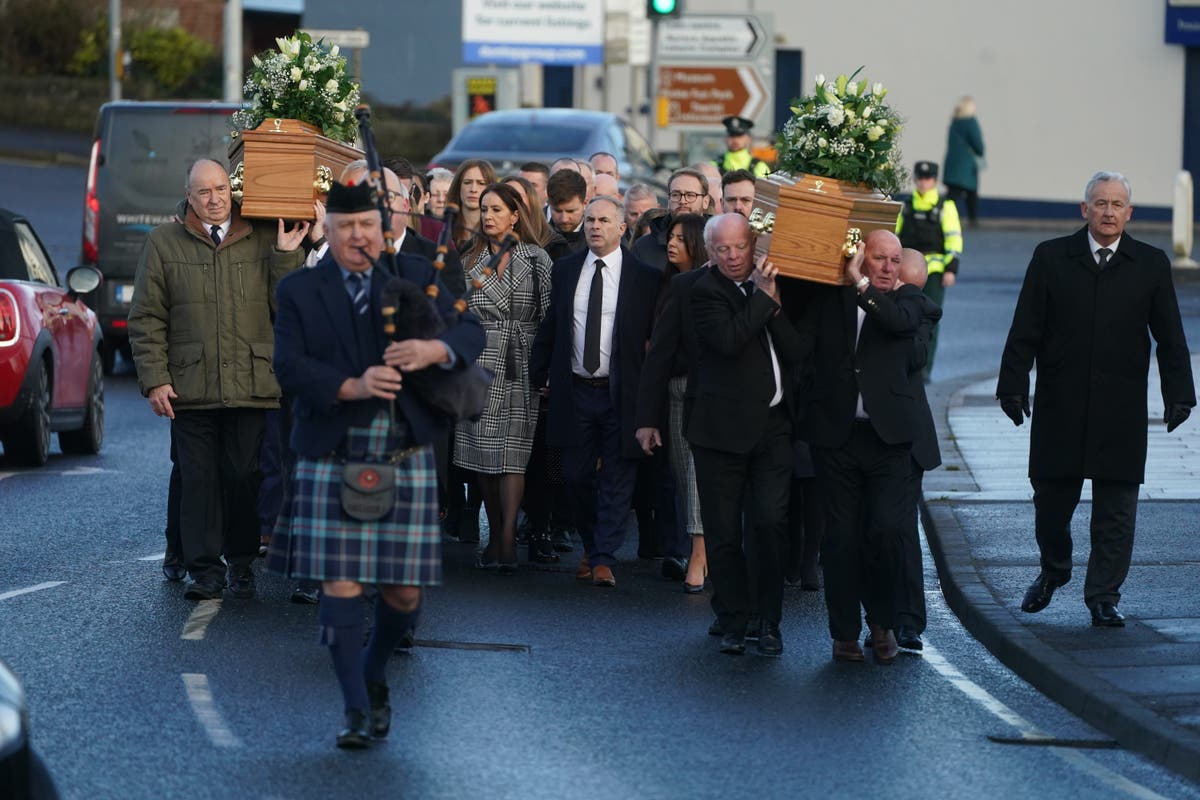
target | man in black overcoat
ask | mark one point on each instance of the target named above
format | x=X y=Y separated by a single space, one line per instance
x=1087 y=309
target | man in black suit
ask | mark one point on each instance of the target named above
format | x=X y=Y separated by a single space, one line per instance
x=588 y=355
x=740 y=428
x=861 y=426
x=1087 y=309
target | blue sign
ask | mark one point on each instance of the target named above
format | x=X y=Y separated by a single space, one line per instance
x=509 y=53
x=1183 y=22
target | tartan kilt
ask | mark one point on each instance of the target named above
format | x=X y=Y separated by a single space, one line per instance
x=314 y=538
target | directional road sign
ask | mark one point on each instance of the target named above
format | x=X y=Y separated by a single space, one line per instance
x=716 y=38
x=351 y=39
x=705 y=95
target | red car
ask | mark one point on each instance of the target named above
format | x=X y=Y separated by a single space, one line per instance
x=50 y=358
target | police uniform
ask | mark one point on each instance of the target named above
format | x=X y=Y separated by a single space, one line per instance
x=740 y=159
x=929 y=223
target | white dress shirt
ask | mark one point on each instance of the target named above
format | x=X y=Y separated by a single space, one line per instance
x=1095 y=246
x=860 y=411
x=583 y=289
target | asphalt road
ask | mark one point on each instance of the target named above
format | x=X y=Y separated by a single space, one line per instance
x=529 y=686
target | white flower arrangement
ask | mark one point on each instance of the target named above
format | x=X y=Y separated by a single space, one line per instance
x=845 y=131
x=302 y=80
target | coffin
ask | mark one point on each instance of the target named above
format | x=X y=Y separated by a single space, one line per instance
x=804 y=224
x=281 y=166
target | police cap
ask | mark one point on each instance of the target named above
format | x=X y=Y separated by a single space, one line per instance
x=925 y=169
x=737 y=126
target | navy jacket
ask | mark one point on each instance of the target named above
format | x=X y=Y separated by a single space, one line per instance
x=551 y=358
x=316 y=350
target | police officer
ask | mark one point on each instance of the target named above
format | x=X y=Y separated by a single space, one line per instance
x=737 y=155
x=929 y=222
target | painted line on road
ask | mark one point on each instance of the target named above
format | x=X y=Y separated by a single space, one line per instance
x=4 y=475
x=201 y=698
x=155 y=557
x=29 y=589
x=197 y=624
x=1029 y=731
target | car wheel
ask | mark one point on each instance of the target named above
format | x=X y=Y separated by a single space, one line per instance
x=88 y=439
x=29 y=439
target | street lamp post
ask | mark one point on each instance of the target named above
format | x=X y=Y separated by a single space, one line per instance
x=233 y=51
x=114 y=50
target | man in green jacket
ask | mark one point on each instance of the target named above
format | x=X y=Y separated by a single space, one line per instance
x=202 y=339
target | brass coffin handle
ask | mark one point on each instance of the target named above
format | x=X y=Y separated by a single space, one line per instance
x=324 y=179
x=853 y=239
x=762 y=221
x=237 y=181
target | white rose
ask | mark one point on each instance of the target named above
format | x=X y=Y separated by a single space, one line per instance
x=331 y=86
x=303 y=84
x=822 y=142
x=296 y=73
x=874 y=132
x=835 y=116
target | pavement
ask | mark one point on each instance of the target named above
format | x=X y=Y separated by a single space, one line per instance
x=1139 y=684
x=45 y=146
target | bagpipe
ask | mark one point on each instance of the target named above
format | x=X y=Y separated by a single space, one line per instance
x=410 y=312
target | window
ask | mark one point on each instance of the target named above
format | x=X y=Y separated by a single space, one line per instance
x=40 y=268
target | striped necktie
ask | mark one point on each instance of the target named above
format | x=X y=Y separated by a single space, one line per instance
x=356 y=285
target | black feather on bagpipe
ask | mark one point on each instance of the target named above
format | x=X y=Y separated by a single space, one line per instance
x=409 y=311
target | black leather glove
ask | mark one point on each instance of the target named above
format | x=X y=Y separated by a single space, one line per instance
x=1014 y=405
x=1176 y=414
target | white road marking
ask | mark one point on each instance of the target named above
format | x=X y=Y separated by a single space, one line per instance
x=155 y=557
x=201 y=698
x=197 y=624
x=84 y=471
x=4 y=475
x=28 y=589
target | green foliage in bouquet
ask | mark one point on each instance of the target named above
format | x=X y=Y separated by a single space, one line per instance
x=845 y=131
x=302 y=80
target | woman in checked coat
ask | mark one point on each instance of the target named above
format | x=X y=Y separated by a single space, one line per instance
x=510 y=302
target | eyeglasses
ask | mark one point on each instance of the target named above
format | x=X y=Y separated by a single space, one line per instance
x=392 y=196
x=688 y=196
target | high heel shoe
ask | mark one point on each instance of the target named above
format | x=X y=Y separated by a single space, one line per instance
x=696 y=588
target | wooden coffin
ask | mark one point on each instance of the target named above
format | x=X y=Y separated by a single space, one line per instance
x=804 y=224
x=282 y=166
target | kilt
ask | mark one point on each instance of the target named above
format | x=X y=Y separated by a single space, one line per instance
x=314 y=538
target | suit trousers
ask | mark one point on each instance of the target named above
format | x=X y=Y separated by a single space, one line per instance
x=859 y=557
x=910 y=577
x=935 y=290
x=600 y=497
x=1114 y=517
x=218 y=453
x=744 y=504
x=174 y=546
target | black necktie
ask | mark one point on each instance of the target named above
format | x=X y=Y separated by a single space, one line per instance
x=215 y=234
x=747 y=287
x=358 y=292
x=595 y=310
x=1104 y=253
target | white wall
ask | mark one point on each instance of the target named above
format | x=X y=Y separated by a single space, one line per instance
x=1064 y=87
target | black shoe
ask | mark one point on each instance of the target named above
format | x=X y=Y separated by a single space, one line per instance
x=306 y=594
x=355 y=735
x=204 y=588
x=381 y=709
x=1038 y=595
x=674 y=568
x=908 y=638
x=173 y=568
x=407 y=640
x=241 y=582
x=1107 y=615
x=715 y=628
x=733 y=644
x=770 y=643
x=541 y=548
x=561 y=539
x=754 y=627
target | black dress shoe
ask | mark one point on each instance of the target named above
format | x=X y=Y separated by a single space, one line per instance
x=754 y=626
x=306 y=594
x=1038 y=595
x=561 y=539
x=541 y=549
x=908 y=638
x=204 y=588
x=733 y=644
x=1107 y=615
x=173 y=568
x=715 y=628
x=674 y=568
x=381 y=709
x=356 y=735
x=241 y=582
x=770 y=643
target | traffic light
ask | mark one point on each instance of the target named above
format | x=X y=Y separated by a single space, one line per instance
x=658 y=9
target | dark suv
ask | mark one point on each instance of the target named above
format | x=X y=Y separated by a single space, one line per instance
x=140 y=155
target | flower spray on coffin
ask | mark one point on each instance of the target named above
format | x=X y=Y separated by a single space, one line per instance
x=296 y=131
x=839 y=163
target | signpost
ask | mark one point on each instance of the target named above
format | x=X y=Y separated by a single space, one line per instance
x=714 y=66
x=538 y=31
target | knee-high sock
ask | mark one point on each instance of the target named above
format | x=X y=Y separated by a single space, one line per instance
x=390 y=627
x=342 y=631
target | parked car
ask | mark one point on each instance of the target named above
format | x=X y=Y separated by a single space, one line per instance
x=51 y=378
x=141 y=152
x=510 y=138
x=23 y=776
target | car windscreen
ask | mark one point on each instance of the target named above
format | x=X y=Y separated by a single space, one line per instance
x=140 y=181
x=539 y=137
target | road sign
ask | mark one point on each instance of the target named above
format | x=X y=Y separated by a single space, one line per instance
x=354 y=40
x=716 y=38
x=533 y=31
x=698 y=95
